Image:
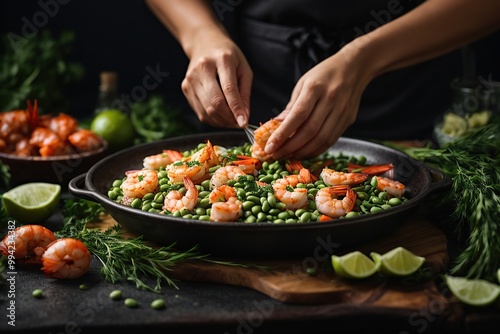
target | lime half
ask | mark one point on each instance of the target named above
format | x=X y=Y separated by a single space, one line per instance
x=32 y=202
x=476 y=292
x=354 y=265
x=398 y=262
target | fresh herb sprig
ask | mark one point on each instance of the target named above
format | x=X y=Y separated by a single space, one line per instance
x=124 y=258
x=473 y=163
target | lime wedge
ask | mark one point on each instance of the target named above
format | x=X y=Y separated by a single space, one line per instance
x=354 y=265
x=398 y=262
x=472 y=291
x=31 y=202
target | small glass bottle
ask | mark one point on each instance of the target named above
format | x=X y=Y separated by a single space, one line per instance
x=108 y=92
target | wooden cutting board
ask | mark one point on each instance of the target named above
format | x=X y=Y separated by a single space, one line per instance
x=288 y=281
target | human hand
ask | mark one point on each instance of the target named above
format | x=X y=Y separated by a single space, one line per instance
x=218 y=82
x=323 y=104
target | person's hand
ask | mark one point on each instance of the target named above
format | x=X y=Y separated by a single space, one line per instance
x=218 y=82
x=323 y=104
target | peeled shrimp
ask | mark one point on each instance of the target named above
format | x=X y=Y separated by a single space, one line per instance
x=195 y=166
x=328 y=202
x=139 y=183
x=63 y=125
x=285 y=191
x=392 y=187
x=48 y=142
x=262 y=134
x=66 y=258
x=162 y=159
x=176 y=201
x=248 y=164
x=27 y=242
x=332 y=177
x=226 y=206
x=224 y=174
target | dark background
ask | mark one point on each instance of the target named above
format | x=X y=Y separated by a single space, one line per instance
x=124 y=36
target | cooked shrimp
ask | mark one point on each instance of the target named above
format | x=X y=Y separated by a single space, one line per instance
x=139 y=183
x=66 y=258
x=162 y=159
x=392 y=187
x=27 y=241
x=226 y=206
x=85 y=140
x=193 y=170
x=224 y=174
x=176 y=201
x=63 y=125
x=285 y=191
x=372 y=169
x=48 y=142
x=207 y=155
x=262 y=134
x=248 y=164
x=332 y=177
x=328 y=202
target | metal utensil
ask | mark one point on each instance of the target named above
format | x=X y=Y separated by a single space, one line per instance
x=249 y=131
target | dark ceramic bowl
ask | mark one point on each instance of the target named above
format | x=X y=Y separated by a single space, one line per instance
x=56 y=169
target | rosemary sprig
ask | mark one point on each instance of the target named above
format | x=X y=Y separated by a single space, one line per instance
x=123 y=258
x=473 y=163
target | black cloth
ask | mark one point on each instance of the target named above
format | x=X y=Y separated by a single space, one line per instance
x=282 y=39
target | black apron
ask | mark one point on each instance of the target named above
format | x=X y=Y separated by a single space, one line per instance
x=402 y=104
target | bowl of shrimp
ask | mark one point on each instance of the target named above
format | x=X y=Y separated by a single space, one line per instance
x=217 y=192
x=46 y=148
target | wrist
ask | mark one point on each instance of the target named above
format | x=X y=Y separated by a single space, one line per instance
x=198 y=36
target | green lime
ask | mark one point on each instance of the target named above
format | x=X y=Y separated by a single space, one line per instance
x=498 y=275
x=471 y=291
x=354 y=265
x=115 y=127
x=398 y=262
x=32 y=202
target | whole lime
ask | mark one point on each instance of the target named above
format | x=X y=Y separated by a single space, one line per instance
x=115 y=127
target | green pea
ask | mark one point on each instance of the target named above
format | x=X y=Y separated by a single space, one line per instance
x=250 y=219
x=204 y=203
x=163 y=174
x=165 y=187
x=299 y=212
x=376 y=209
x=112 y=194
x=241 y=193
x=146 y=207
x=274 y=212
x=164 y=181
x=383 y=195
x=158 y=304
x=247 y=205
x=177 y=214
x=254 y=199
x=265 y=165
x=311 y=205
x=83 y=287
x=261 y=217
x=200 y=211
x=159 y=198
x=117 y=183
x=280 y=205
x=394 y=201
x=376 y=200
x=130 y=302
x=278 y=221
x=37 y=293
x=374 y=182
x=206 y=184
x=204 y=217
x=148 y=197
x=312 y=192
x=157 y=206
x=352 y=214
x=214 y=168
x=115 y=294
x=187 y=216
x=136 y=203
x=290 y=220
x=305 y=217
x=153 y=210
x=203 y=194
x=256 y=209
x=283 y=215
x=266 y=207
x=386 y=206
x=362 y=195
x=267 y=178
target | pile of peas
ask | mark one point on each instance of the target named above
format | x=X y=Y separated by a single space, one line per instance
x=259 y=202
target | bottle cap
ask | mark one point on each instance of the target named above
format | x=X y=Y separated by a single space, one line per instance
x=109 y=80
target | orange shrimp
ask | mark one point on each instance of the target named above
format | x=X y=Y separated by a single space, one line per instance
x=195 y=166
x=328 y=202
x=27 y=242
x=332 y=177
x=85 y=140
x=371 y=169
x=392 y=187
x=139 y=183
x=285 y=191
x=293 y=166
x=48 y=142
x=176 y=201
x=226 y=206
x=248 y=164
x=163 y=159
x=63 y=125
x=262 y=135
x=66 y=258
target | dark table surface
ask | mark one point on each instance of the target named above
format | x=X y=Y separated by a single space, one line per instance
x=205 y=307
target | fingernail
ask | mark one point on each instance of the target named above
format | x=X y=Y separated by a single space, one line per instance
x=269 y=148
x=241 y=121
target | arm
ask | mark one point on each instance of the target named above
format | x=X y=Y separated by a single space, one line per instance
x=218 y=79
x=325 y=100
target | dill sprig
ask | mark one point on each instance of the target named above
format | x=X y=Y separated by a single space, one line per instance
x=473 y=163
x=123 y=258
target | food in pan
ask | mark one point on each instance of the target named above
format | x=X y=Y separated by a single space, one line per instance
x=215 y=183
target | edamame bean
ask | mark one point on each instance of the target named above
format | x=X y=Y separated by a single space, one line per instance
x=131 y=302
x=117 y=183
x=115 y=295
x=376 y=209
x=305 y=217
x=250 y=219
x=136 y=203
x=265 y=206
x=256 y=209
x=37 y=293
x=204 y=217
x=206 y=184
x=158 y=304
x=283 y=215
x=148 y=197
x=394 y=201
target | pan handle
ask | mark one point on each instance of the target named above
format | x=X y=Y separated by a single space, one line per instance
x=440 y=180
x=74 y=188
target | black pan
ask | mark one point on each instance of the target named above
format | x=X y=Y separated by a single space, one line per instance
x=259 y=240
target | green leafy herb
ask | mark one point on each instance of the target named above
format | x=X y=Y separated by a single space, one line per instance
x=36 y=68
x=123 y=258
x=473 y=163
